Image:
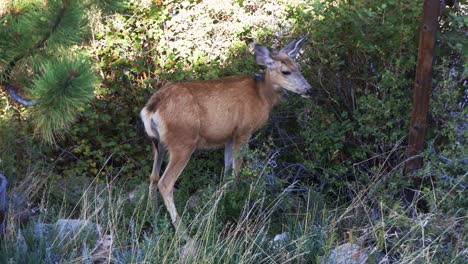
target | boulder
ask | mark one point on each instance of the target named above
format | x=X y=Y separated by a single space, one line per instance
x=66 y=229
x=67 y=237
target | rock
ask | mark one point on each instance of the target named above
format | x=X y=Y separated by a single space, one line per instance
x=346 y=254
x=281 y=237
x=103 y=250
x=279 y=240
x=42 y=231
x=74 y=227
x=64 y=228
x=67 y=235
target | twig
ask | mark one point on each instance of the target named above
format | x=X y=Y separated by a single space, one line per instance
x=18 y=98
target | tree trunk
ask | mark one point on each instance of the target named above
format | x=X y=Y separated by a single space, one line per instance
x=422 y=86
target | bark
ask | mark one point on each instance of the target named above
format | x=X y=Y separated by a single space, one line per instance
x=422 y=86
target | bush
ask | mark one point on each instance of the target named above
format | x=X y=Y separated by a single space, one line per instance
x=327 y=171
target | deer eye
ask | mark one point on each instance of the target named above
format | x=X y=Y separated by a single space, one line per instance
x=286 y=72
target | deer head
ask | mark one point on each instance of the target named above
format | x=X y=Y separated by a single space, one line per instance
x=281 y=69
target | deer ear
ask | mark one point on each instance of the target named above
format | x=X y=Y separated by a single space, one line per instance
x=292 y=49
x=262 y=56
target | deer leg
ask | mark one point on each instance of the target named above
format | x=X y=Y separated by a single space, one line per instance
x=177 y=162
x=158 y=157
x=228 y=158
x=159 y=153
x=238 y=143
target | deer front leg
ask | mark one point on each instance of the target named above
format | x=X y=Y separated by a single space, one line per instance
x=228 y=158
x=239 y=142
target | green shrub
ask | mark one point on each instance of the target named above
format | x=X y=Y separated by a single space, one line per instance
x=343 y=151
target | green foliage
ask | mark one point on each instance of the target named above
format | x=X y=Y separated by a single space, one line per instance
x=446 y=154
x=133 y=63
x=361 y=58
x=34 y=39
x=64 y=89
x=348 y=142
x=33 y=29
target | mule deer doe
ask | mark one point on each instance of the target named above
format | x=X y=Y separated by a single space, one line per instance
x=182 y=117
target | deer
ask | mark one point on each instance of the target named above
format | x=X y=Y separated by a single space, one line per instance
x=205 y=114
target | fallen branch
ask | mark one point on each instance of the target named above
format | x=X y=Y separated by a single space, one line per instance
x=18 y=98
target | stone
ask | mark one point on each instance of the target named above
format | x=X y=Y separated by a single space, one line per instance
x=346 y=254
x=103 y=250
x=65 y=234
x=281 y=237
x=72 y=227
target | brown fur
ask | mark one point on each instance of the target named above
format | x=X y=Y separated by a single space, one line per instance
x=225 y=112
x=218 y=110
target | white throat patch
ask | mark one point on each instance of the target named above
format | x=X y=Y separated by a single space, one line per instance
x=277 y=87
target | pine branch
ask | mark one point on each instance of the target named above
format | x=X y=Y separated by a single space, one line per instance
x=59 y=18
x=65 y=87
x=63 y=83
x=40 y=44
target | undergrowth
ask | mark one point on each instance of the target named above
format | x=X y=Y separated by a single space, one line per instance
x=322 y=174
x=139 y=233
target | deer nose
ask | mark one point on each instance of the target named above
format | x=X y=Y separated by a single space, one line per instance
x=307 y=93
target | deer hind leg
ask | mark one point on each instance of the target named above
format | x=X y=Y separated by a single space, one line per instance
x=159 y=153
x=177 y=162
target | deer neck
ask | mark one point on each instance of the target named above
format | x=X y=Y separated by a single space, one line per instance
x=270 y=94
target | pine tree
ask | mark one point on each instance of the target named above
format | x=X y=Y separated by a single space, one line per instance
x=41 y=58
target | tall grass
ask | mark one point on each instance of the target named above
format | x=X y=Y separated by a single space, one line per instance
x=135 y=232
